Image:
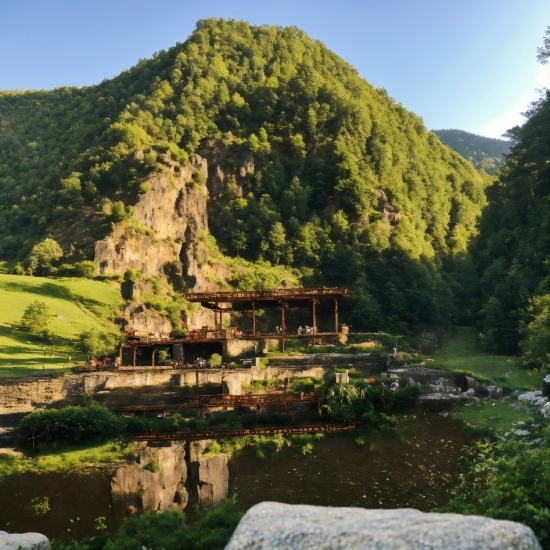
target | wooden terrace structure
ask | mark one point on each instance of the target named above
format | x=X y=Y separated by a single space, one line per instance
x=205 y=402
x=250 y=300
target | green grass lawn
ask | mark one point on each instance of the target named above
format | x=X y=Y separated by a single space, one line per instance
x=461 y=352
x=69 y=457
x=81 y=304
x=497 y=416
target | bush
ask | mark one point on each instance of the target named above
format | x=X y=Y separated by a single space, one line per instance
x=167 y=530
x=70 y=424
x=35 y=317
x=215 y=360
x=98 y=343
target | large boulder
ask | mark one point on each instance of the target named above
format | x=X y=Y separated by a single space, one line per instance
x=24 y=541
x=272 y=525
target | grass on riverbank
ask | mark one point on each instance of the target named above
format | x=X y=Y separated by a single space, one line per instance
x=461 y=352
x=89 y=454
x=82 y=304
x=496 y=416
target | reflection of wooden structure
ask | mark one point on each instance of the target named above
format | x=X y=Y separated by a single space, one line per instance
x=204 y=402
x=220 y=434
x=250 y=300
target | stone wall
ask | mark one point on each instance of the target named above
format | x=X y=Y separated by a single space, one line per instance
x=28 y=394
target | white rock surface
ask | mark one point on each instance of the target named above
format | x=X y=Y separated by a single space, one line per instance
x=272 y=525
x=25 y=541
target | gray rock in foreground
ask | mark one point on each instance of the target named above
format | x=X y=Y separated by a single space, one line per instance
x=275 y=526
x=26 y=541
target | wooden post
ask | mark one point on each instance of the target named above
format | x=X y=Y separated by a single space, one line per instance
x=135 y=355
x=314 y=301
x=254 y=317
x=319 y=410
x=120 y=356
x=283 y=328
x=336 y=315
x=258 y=409
x=153 y=358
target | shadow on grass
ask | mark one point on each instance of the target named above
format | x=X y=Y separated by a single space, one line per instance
x=50 y=289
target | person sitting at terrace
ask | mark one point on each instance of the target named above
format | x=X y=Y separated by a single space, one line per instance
x=394 y=385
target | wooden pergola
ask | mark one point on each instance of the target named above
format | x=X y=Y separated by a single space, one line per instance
x=249 y=300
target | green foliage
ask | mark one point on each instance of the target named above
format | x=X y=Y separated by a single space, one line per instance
x=39 y=506
x=98 y=342
x=215 y=360
x=484 y=153
x=367 y=402
x=506 y=480
x=511 y=251
x=535 y=345
x=36 y=317
x=42 y=256
x=152 y=466
x=163 y=357
x=131 y=274
x=71 y=424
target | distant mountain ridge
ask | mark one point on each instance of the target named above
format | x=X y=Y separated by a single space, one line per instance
x=483 y=152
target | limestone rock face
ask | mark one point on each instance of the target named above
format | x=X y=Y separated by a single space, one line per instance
x=137 y=489
x=170 y=478
x=298 y=527
x=209 y=481
x=174 y=210
x=25 y=541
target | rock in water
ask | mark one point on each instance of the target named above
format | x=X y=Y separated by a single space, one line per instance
x=25 y=541
x=271 y=525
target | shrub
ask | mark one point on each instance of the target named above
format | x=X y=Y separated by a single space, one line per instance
x=70 y=424
x=35 y=317
x=215 y=360
x=98 y=343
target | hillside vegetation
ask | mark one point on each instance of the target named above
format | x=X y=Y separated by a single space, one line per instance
x=348 y=186
x=512 y=251
x=74 y=306
x=483 y=152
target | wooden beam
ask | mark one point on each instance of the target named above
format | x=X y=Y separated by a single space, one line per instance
x=254 y=317
x=314 y=302
x=336 y=315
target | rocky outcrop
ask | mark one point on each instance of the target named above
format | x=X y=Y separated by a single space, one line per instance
x=391 y=215
x=299 y=527
x=23 y=541
x=164 y=239
x=155 y=481
x=173 y=210
x=209 y=481
x=170 y=477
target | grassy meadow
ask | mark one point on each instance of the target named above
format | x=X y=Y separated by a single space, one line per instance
x=74 y=305
x=461 y=352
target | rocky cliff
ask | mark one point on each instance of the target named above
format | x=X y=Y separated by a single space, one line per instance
x=164 y=238
x=170 y=477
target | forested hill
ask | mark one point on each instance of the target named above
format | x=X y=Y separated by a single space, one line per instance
x=347 y=186
x=512 y=251
x=483 y=152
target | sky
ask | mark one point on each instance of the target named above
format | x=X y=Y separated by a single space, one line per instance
x=466 y=64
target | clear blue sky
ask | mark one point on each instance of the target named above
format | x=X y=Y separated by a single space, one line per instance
x=468 y=64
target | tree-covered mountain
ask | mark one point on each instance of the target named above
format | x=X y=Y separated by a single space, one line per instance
x=483 y=152
x=342 y=183
x=512 y=251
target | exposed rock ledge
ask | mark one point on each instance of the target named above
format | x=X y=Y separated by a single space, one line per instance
x=24 y=541
x=169 y=478
x=272 y=525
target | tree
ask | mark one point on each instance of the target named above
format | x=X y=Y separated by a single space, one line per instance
x=35 y=317
x=98 y=342
x=543 y=53
x=43 y=255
